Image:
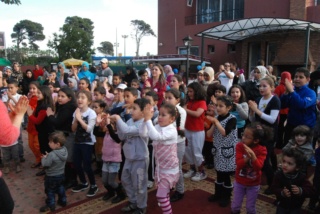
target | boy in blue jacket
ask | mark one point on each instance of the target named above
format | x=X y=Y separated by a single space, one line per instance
x=301 y=101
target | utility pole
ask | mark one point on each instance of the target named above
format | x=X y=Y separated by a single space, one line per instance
x=124 y=40
x=116 y=44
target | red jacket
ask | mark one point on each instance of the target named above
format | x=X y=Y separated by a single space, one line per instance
x=249 y=174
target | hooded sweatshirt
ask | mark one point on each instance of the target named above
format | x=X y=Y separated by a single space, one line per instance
x=281 y=88
x=55 y=161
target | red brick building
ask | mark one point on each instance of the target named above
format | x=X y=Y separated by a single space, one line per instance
x=284 y=47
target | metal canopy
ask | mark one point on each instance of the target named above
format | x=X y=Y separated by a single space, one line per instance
x=245 y=28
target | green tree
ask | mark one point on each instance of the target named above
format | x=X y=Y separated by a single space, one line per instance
x=140 y=29
x=106 y=48
x=17 y=2
x=75 y=40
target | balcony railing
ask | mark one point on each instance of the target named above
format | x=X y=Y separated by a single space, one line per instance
x=216 y=16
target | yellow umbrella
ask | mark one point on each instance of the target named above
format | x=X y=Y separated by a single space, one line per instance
x=72 y=61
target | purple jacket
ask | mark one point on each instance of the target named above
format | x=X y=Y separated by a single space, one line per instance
x=111 y=151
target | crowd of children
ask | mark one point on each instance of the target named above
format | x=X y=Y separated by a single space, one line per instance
x=140 y=135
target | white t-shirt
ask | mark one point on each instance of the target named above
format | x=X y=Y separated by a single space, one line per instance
x=16 y=97
x=89 y=116
x=225 y=81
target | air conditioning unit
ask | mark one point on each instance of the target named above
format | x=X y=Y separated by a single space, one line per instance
x=189 y=3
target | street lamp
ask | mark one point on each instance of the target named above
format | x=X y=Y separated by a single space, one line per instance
x=187 y=41
x=124 y=40
x=116 y=44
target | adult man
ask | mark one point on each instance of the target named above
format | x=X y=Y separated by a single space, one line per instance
x=149 y=68
x=105 y=71
x=225 y=76
x=37 y=72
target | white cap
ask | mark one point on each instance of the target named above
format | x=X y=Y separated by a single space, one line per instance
x=104 y=60
x=122 y=86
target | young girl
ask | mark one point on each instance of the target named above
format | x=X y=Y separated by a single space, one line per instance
x=194 y=131
x=134 y=174
x=82 y=125
x=250 y=156
x=118 y=100
x=240 y=107
x=111 y=156
x=31 y=129
x=99 y=106
x=41 y=121
x=177 y=83
x=164 y=136
x=53 y=93
x=84 y=84
x=62 y=119
x=290 y=185
x=266 y=110
x=224 y=132
x=172 y=96
x=109 y=92
x=158 y=82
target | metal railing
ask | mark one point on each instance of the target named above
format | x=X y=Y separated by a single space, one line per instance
x=216 y=16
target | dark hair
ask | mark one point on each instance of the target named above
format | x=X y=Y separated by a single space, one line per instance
x=100 y=90
x=29 y=70
x=57 y=137
x=102 y=104
x=53 y=71
x=51 y=83
x=87 y=81
x=177 y=94
x=220 y=88
x=70 y=94
x=296 y=154
x=260 y=62
x=116 y=75
x=46 y=102
x=302 y=129
x=173 y=111
x=129 y=68
x=135 y=80
x=261 y=132
x=303 y=70
x=234 y=64
x=182 y=88
x=227 y=100
x=142 y=72
x=86 y=93
x=13 y=82
x=35 y=83
x=199 y=92
x=132 y=90
x=242 y=98
x=111 y=89
x=162 y=79
x=153 y=94
x=142 y=103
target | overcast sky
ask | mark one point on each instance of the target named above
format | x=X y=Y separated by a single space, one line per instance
x=107 y=16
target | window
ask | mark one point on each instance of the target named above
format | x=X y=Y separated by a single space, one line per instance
x=211 y=49
x=193 y=50
x=231 y=48
x=219 y=10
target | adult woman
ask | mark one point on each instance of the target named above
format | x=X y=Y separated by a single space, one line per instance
x=84 y=72
x=169 y=73
x=9 y=134
x=130 y=75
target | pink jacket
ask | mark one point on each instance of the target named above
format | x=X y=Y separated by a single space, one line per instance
x=111 y=151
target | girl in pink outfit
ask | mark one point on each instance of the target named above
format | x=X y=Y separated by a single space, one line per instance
x=165 y=137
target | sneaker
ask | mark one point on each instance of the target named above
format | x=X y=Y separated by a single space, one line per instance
x=199 y=176
x=62 y=203
x=22 y=160
x=176 y=196
x=150 y=184
x=80 y=187
x=92 y=191
x=47 y=208
x=189 y=174
x=140 y=211
x=129 y=207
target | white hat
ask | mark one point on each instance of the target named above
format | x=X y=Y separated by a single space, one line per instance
x=104 y=60
x=122 y=86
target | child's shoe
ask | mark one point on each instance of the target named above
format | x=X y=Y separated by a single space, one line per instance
x=18 y=168
x=47 y=208
x=129 y=207
x=80 y=187
x=92 y=191
x=199 y=176
x=140 y=211
x=189 y=174
x=62 y=203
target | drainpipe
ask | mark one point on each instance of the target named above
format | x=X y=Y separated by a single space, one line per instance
x=306 y=48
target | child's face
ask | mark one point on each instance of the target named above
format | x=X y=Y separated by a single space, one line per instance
x=288 y=165
x=51 y=88
x=53 y=76
x=164 y=118
x=200 y=77
x=218 y=93
x=82 y=101
x=235 y=94
x=53 y=145
x=39 y=95
x=206 y=77
x=210 y=110
x=98 y=96
x=144 y=77
x=190 y=93
x=96 y=107
x=12 y=89
x=171 y=99
x=144 y=91
x=29 y=74
x=247 y=137
x=264 y=88
x=62 y=98
x=222 y=109
x=136 y=112
x=129 y=98
x=134 y=85
x=300 y=79
x=70 y=84
x=174 y=83
x=83 y=85
x=8 y=72
x=150 y=99
x=33 y=89
x=300 y=139
x=116 y=80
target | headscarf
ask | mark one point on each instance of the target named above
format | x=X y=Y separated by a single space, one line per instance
x=208 y=70
x=74 y=82
x=285 y=75
x=85 y=64
x=7 y=68
x=263 y=71
x=87 y=73
x=61 y=64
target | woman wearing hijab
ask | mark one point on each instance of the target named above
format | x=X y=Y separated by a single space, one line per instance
x=130 y=75
x=169 y=73
x=62 y=76
x=84 y=72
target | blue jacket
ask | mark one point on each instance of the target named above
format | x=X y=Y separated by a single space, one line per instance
x=302 y=106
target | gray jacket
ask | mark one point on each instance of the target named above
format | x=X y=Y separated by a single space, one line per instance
x=306 y=149
x=55 y=161
x=135 y=147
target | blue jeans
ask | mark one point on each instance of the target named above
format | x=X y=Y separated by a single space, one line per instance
x=82 y=154
x=54 y=185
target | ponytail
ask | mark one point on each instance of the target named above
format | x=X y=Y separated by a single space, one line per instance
x=178 y=122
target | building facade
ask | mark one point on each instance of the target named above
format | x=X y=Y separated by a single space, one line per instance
x=285 y=50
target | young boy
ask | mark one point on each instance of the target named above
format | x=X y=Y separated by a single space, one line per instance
x=53 y=79
x=135 y=84
x=152 y=96
x=54 y=163
x=99 y=93
x=134 y=173
x=116 y=80
x=143 y=74
x=220 y=91
x=301 y=101
x=290 y=186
